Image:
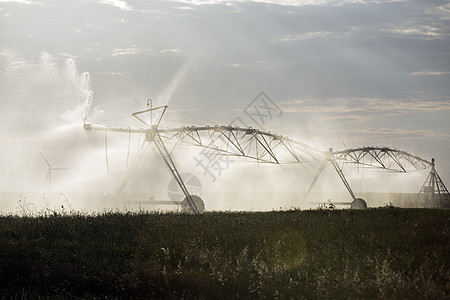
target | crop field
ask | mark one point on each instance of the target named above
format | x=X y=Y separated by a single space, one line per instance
x=314 y=254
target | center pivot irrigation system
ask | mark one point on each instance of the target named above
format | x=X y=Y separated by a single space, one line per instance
x=266 y=147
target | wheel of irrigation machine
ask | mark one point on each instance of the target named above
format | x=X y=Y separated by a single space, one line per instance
x=199 y=204
x=359 y=203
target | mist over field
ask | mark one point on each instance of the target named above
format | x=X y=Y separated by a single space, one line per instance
x=344 y=74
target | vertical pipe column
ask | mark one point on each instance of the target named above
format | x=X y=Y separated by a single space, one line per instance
x=106 y=154
x=173 y=169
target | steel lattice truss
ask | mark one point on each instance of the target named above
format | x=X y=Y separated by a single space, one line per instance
x=251 y=143
x=381 y=157
x=264 y=147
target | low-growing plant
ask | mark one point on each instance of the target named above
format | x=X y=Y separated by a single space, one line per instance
x=376 y=253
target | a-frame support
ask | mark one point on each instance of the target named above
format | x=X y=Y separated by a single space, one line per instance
x=153 y=136
x=338 y=169
x=433 y=187
x=173 y=170
x=341 y=175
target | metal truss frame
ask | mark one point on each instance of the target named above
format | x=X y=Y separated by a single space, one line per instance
x=389 y=159
x=433 y=187
x=383 y=158
x=266 y=147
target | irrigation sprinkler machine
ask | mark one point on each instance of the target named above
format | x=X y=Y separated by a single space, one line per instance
x=267 y=147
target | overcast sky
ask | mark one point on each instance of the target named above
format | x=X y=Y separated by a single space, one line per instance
x=359 y=72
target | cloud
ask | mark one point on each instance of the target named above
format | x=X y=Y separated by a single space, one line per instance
x=363 y=106
x=123 y=5
x=288 y=2
x=92 y=26
x=171 y=51
x=136 y=50
x=428 y=22
x=67 y=55
x=237 y=65
x=401 y=106
x=373 y=135
x=444 y=11
x=351 y=118
x=418 y=32
x=302 y=36
x=119 y=74
x=394 y=133
x=128 y=51
x=429 y=73
x=22 y=2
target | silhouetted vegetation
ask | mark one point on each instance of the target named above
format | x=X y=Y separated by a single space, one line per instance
x=376 y=253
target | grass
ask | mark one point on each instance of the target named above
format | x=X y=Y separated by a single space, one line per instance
x=376 y=253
